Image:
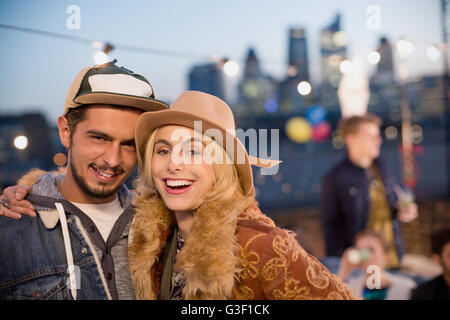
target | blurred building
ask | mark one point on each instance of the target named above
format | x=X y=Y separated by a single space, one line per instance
x=385 y=67
x=207 y=78
x=257 y=91
x=432 y=100
x=333 y=49
x=385 y=91
x=289 y=99
x=26 y=142
x=298 y=54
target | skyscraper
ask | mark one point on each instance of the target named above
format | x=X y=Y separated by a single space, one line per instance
x=298 y=54
x=333 y=48
x=207 y=78
x=289 y=99
x=385 y=67
x=385 y=92
x=255 y=88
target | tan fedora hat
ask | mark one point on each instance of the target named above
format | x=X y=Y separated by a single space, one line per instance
x=213 y=113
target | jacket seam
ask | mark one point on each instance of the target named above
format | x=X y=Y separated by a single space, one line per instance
x=96 y=258
x=42 y=273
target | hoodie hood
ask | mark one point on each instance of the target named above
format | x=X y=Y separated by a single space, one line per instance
x=47 y=185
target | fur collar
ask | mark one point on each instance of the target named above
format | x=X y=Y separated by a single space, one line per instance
x=210 y=256
x=31 y=177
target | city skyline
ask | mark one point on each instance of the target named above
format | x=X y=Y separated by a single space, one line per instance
x=168 y=74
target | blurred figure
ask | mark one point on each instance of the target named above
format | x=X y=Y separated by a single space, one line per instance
x=360 y=194
x=439 y=287
x=370 y=255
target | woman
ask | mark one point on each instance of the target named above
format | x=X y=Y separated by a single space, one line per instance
x=198 y=232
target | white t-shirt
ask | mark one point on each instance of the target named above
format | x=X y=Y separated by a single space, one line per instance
x=104 y=215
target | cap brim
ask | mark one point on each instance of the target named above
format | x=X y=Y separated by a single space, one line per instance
x=150 y=121
x=141 y=103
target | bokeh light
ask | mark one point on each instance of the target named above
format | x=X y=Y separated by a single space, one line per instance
x=340 y=38
x=21 y=142
x=404 y=47
x=433 y=53
x=373 y=57
x=271 y=106
x=321 y=132
x=100 y=57
x=304 y=88
x=391 y=132
x=286 y=188
x=298 y=130
x=231 y=68
x=346 y=67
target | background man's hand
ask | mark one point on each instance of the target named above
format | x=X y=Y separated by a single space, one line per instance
x=407 y=213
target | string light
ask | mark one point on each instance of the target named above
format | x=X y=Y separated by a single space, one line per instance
x=404 y=47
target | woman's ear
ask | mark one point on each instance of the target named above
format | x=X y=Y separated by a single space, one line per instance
x=64 y=131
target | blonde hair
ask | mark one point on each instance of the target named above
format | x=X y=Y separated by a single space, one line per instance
x=226 y=179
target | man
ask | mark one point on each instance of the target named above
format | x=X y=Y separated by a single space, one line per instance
x=359 y=193
x=76 y=246
x=439 y=287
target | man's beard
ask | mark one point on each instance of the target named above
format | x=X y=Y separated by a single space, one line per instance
x=93 y=192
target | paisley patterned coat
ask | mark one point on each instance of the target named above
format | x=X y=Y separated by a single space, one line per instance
x=233 y=251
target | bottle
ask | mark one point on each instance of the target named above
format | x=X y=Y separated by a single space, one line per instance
x=405 y=195
x=357 y=256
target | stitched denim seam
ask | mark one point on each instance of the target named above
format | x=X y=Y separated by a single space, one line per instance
x=43 y=273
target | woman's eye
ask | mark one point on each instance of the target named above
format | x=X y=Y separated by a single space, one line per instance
x=163 y=152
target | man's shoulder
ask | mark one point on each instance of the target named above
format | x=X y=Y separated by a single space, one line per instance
x=339 y=172
x=46 y=185
x=430 y=284
x=24 y=227
x=427 y=290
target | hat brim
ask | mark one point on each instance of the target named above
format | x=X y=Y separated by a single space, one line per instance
x=141 y=103
x=148 y=122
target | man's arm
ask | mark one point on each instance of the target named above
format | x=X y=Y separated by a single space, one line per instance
x=12 y=203
x=330 y=217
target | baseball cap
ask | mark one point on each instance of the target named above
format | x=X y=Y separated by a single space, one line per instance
x=110 y=84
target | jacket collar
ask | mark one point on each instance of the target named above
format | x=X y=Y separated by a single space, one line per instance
x=46 y=186
x=50 y=218
x=210 y=269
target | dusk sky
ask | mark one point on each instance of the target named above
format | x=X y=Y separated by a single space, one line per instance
x=36 y=71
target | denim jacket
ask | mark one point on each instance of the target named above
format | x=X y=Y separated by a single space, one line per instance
x=35 y=253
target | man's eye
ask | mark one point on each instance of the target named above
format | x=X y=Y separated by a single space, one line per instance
x=99 y=138
x=130 y=145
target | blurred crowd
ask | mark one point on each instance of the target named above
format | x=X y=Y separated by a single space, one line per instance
x=362 y=207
